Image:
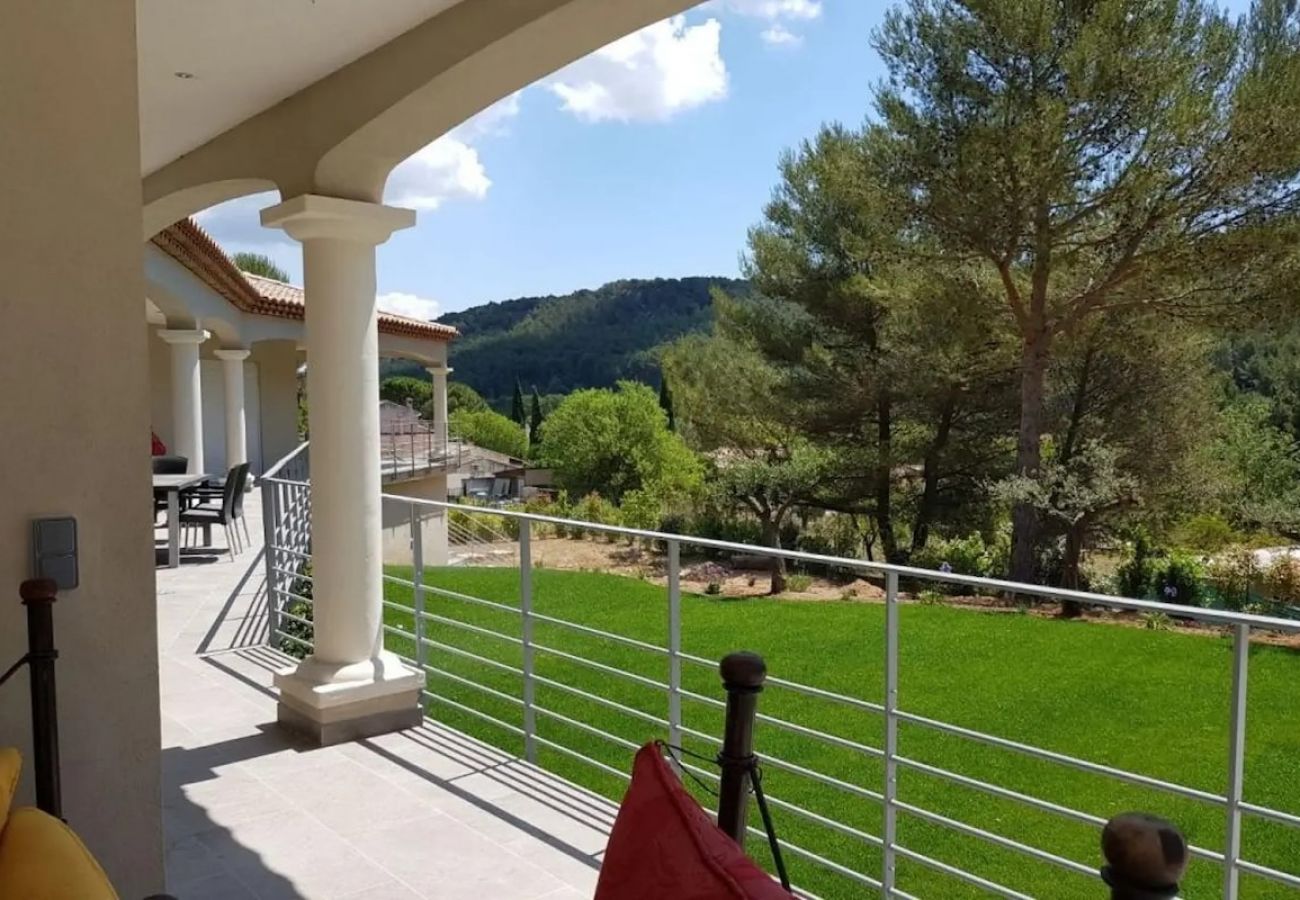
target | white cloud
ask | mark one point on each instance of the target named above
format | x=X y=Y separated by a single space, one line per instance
x=651 y=75
x=775 y=9
x=447 y=169
x=777 y=35
x=491 y=122
x=409 y=305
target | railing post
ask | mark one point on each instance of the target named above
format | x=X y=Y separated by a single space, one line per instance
x=889 y=832
x=526 y=614
x=1146 y=857
x=417 y=564
x=268 y=557
x=38 y=596
x=674 y=644
x=743 y=675
x=1236 y=760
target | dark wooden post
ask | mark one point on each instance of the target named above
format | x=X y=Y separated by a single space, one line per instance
x=1146 y=857
x=39 y=596
x=743 y=675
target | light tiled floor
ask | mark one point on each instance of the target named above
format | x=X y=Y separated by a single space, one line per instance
x=249 y=812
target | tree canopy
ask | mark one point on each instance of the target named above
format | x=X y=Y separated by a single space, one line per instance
x=616 y=441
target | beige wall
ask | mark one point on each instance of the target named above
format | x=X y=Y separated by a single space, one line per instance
x=433 y=522
x=277 y=369
x=74 y=407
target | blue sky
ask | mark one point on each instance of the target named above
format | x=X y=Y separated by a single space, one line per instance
x=650 y=158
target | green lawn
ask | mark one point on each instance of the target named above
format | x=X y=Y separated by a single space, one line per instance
x=1152 y=702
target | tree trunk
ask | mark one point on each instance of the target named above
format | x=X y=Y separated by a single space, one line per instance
x=884 y=476
x=1029 y=451
x=771 y=535
x=1070 y=568
x=930 y=475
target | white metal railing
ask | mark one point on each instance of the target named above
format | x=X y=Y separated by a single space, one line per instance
x=413 y=450
x=429 y=651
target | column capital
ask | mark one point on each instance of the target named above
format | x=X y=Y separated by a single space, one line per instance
x=436 y=371
x=310 y=216
x=184 y=335
x=232 y=354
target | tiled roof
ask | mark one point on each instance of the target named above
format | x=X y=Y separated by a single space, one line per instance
x=193 y=248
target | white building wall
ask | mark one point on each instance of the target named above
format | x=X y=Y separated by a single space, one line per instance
x=214 y=416
x=76 y=412
x=433 y=522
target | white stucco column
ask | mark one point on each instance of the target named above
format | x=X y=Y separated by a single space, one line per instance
x=187 y=394
x=350 y=686
x=440 y=374
x=232 y=371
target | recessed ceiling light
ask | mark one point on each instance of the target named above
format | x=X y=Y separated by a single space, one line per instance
x=184 y=75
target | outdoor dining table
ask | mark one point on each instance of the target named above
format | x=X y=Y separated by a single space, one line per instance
x=172 y=486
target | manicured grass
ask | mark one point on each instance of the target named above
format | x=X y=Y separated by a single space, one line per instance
x=1151 y=702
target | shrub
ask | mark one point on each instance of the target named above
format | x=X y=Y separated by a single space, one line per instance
x=1156 y=621
x=1282 y=581
x=713 y=589
x=964 y=556
x=930 y=597
x=798 y=583
x=641 y=509
x=1135 y=575
x=596 y=509
x=1206 y=533
x=833 y=534
x=1180 y=579
x=1234 y=576
x=291 y=628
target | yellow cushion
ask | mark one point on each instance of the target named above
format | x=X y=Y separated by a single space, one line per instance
x=41 y=859
x=11 y=766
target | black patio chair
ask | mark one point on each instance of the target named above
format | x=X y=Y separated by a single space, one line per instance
x=206 y=516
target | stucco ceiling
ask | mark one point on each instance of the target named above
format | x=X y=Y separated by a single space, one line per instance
x=239 y=57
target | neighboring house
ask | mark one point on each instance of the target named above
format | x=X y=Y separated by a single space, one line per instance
x=399 y=418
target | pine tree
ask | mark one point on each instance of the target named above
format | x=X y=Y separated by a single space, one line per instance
x=518 y=413
x=666 y=402
x=535 y=420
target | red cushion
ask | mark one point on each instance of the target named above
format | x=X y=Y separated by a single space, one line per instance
x=665 y=847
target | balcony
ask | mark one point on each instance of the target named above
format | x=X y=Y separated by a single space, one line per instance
x=884 y=780
x=251 y=813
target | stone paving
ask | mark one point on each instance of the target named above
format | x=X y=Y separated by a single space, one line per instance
x=249 y=813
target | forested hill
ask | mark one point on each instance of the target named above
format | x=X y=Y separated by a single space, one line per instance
x=589 y=338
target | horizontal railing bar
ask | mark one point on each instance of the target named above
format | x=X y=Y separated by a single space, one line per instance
x=992 y=585
x=1270 y=873
x=960 y=874
x=299 y=597
x=567 y=751
x=1004 y=842
x=583 y=726
x=291 y=552
x=1029 y=800
x=289 y=573
x=609 y=670
x=819 y=819
x=1275 y=815
x=501 y=695
x=297 y=640
x=596 y=632
x=447 y=648
x=393 y=629
x=293 y=455
x=819 y=735
x=1051 y=756
x=777 y=763
x=797 y=687
x=470 y=598
x=487 y=632
x=702 y=698
x=288 y=482
x=603 y=701
x=291 y=617
x=472 y=711
x=837 y=868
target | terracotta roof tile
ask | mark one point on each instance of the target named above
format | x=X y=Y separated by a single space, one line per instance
x=193 y=248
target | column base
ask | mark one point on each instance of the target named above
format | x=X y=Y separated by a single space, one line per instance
x=333 y=704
